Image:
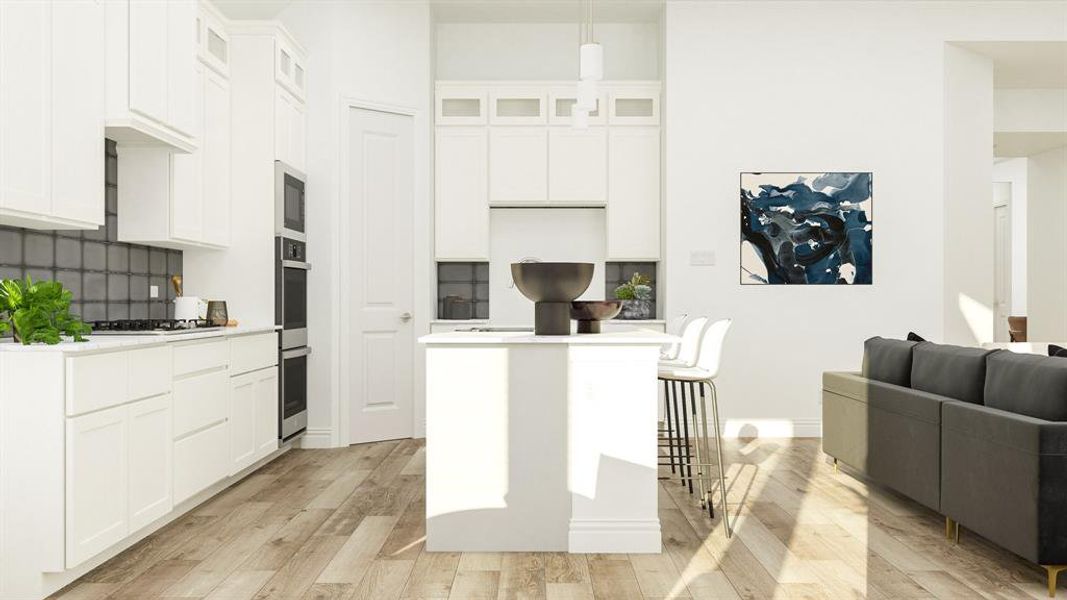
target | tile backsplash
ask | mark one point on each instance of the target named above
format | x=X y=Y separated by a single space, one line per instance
x=109 y=279
x=463 y=290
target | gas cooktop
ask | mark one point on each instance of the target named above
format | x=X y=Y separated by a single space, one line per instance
x=151 y=326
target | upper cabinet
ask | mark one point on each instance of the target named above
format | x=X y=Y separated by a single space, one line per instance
x=151 y=72
x=289 y=67
x=461 y=105
x=183 y=200
x=289 y=129
x=518 y=106
x=634 y=105
x=52 y=114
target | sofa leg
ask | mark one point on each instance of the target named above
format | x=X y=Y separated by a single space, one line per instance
x=948 y=527
x=835 y=467
x=1053 y=571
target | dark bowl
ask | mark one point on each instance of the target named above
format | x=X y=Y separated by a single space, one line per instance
x=595 y=310
x=552 y=282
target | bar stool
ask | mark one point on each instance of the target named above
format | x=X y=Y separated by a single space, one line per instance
x=709 y=359
x=686 y=356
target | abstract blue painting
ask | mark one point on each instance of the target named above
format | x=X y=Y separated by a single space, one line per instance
x=806 y=228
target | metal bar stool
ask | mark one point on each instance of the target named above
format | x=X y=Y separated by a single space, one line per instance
x=700 y=375
x=676 y=436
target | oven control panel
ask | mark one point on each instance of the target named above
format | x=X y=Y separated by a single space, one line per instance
x=293 y=250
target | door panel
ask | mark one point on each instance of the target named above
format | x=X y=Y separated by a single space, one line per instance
x=381 y=163
x=242 y=421
x=97 y=464
x=150 y=456
x=215 y=153
x=148 y=59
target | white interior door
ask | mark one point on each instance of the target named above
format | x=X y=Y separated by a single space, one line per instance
x=1001 y=271
x=380 y=268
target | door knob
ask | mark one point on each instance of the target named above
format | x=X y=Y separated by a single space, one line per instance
x=405 y=317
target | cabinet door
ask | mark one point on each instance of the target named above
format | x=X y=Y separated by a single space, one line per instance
x=181 y=65
x=633 y=214
x=25 y=113
x=78 y=110
x=149 y=59
x=266 y=398
x=518 y=165
x=97 y=463
x=201 y=460
x=150 y=460
x=461 y=182
x=187 y=180
x=242 y=421
x=285 y=117
x=578 y=166
x=215 y=150
x=298 y=136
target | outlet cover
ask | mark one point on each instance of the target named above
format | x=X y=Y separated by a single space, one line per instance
x=702 y=258
x=153 y=291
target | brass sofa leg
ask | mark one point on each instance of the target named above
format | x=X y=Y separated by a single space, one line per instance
x=835 y=467
x=948 y=527
x=1053 y=571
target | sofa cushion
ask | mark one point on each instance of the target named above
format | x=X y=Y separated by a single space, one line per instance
x=1027 y=384
x=888 y=361
x=957 y=372
x=1057 y=351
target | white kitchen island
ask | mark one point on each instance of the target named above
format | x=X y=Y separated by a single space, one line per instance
x=542 y=443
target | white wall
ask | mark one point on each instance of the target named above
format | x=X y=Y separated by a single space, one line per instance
x=1030 y=110
x=1013 y=172
x=542 y=50
x=378 y=52
x=1046 y=183
x=755 y=86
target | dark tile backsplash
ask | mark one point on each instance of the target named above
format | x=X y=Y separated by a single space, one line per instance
x=617 y=273
x=463 y=290
x=109 y=279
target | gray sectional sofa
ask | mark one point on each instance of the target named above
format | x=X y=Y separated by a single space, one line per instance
x=979 y=436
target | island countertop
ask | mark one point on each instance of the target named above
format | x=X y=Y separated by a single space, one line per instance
x=624 y=338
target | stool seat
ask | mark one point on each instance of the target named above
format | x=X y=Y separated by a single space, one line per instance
x=683 y=373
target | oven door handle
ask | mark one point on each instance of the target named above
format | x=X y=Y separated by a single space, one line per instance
x=296 y=352
x=293 y=264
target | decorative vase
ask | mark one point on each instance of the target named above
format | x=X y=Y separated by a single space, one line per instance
x=636 y=309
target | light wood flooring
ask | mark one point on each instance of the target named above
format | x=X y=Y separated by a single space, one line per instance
x=349 y=524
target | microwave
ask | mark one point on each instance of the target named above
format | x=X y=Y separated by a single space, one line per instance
x=290 y=220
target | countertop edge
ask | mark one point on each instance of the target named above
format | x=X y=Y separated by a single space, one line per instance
x=120 y=342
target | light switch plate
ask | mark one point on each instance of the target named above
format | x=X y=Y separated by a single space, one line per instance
x=702 y=258
x=153 y=291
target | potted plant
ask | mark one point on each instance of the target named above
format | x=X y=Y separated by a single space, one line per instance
x=38 y=312
x=636 y=296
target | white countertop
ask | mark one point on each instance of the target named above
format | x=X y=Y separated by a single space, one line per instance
x=99 y=343
x=631 y=338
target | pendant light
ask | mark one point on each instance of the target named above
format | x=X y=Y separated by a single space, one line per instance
x=590 y=62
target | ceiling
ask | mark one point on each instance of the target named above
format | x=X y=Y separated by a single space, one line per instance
x=1013 y=144
x=1025 y=64
x=545 y=11
x=251 y=9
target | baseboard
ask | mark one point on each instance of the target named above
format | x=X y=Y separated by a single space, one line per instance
x=317 y=437
x=772 y=428
x=614 y=537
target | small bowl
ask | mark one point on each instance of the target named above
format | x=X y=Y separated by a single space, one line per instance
x=589 y=313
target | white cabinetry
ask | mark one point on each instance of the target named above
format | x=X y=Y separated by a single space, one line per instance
x=97 y=463
x=254 y=417
x=461 y=208
x=182 y=200
x=633 y=193
x=151 y=56
x=289 y=129
x=201 y=416
x=52 y=114
x=518 y=165
x=577 y=166
x=150 y=461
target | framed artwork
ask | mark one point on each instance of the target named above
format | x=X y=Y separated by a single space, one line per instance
x=806 y=228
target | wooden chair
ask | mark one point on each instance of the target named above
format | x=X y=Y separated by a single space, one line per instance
x=1017 y=329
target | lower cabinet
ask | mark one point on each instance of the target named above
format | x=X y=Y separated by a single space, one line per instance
x=117 y=474
x=97 y=464
x=253 y=417
x=200 y=460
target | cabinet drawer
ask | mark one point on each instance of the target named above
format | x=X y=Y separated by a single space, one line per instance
x=150 y=372
x=201 y=460
x=97 y=381
x=200 y=401
x=252 y=352
x=200 y=356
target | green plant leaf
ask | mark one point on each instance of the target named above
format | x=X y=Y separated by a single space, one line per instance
x=39 y=312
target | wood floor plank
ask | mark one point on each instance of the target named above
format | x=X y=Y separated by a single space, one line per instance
x=385 y=580
x=285 y=542
x=569 y=591
x=87 y=591
x=154 y=581
x=240 y=585
x=475 y=585
x=432 y=576
x=408 y=538
x=355 y=557
x=298 y=574
x=522 y=577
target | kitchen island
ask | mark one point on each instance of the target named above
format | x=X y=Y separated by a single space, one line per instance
x=542 y=443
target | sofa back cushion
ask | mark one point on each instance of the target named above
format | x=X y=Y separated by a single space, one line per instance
x=1027 y=384
x=888 y=361
x=956 y=372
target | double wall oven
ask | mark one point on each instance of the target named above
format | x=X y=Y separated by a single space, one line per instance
x=290 y=306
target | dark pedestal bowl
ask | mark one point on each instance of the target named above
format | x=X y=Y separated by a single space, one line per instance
x=590 y=313
x=552 y=287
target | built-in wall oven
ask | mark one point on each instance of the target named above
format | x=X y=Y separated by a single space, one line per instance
x=291 y=299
